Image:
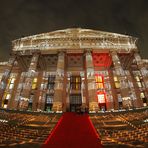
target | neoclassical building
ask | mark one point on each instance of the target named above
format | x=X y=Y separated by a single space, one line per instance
x=65 y=69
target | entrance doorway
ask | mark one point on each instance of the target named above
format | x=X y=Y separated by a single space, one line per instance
x=75 y=102
x=75 y=93
x=101 y=101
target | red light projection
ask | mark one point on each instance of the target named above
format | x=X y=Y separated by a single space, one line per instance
x=102 y=60
x=101 y=98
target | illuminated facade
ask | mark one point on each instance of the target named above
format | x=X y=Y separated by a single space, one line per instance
x=65 y=69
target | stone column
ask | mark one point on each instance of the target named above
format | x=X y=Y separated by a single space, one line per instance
x=59 y=81
x=92 y=96
x=28 y=81
x=83 y=91
x=68 y=92
x=42 y=92
x=113 y=90
x=135 y=92
x=12 y=101
x=35 y=102
x=143 y=71
x=5 y=77
x=18 y=90
x=124 y=88
x=65 y=92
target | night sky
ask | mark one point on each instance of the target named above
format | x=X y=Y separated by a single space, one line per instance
x=20 y=18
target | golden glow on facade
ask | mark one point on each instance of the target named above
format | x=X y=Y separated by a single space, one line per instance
x=66 y=69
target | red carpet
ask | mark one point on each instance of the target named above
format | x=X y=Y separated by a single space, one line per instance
x=73 y=131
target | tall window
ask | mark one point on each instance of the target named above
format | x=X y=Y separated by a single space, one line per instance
x=51 y=82
x=11 y=83
x=142 y=96
x=30 y=102
x=101 y=98
x=137 y=78
x=44 y=83
x=49 y=99
x=7 y=96
x=99 y=81
x=34 y=83
x=75 y=99
x=49 y=102
x=75 y=82
x=117 y=83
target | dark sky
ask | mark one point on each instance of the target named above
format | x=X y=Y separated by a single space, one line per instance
x=28 y=17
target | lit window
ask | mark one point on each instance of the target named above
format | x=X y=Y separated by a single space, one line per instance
x=98 y=79
x=34 y=83
x=34 y=86
x=99 y=85
x=117 y=85
x=139 y=84
x=31 y=98
x=42 y=86
x=9 y=80
x=99 y=82
x=142 y=95
x=5 y=105
x=49 y=99
x=8 y=96
x=12 y=80
x=75 y=82
x=11 y=83
x=34 y=80
x=119 y=97
x=101 y=98
x=137 y=78
x=11 y=86
x=5 y=101
x=115 y=79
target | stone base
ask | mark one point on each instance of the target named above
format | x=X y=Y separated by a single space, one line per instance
x=23 y=105
x=93 y=106
x=137 y=103
x=15 y=105
x=109 y=106
x=57 y=106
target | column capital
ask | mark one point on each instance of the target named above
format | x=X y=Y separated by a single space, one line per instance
x=11 y=61
x=34 y=52
x=113 y=52
x=62 y=52
x=137 y=58
x=88 y=51
x=33 y=62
